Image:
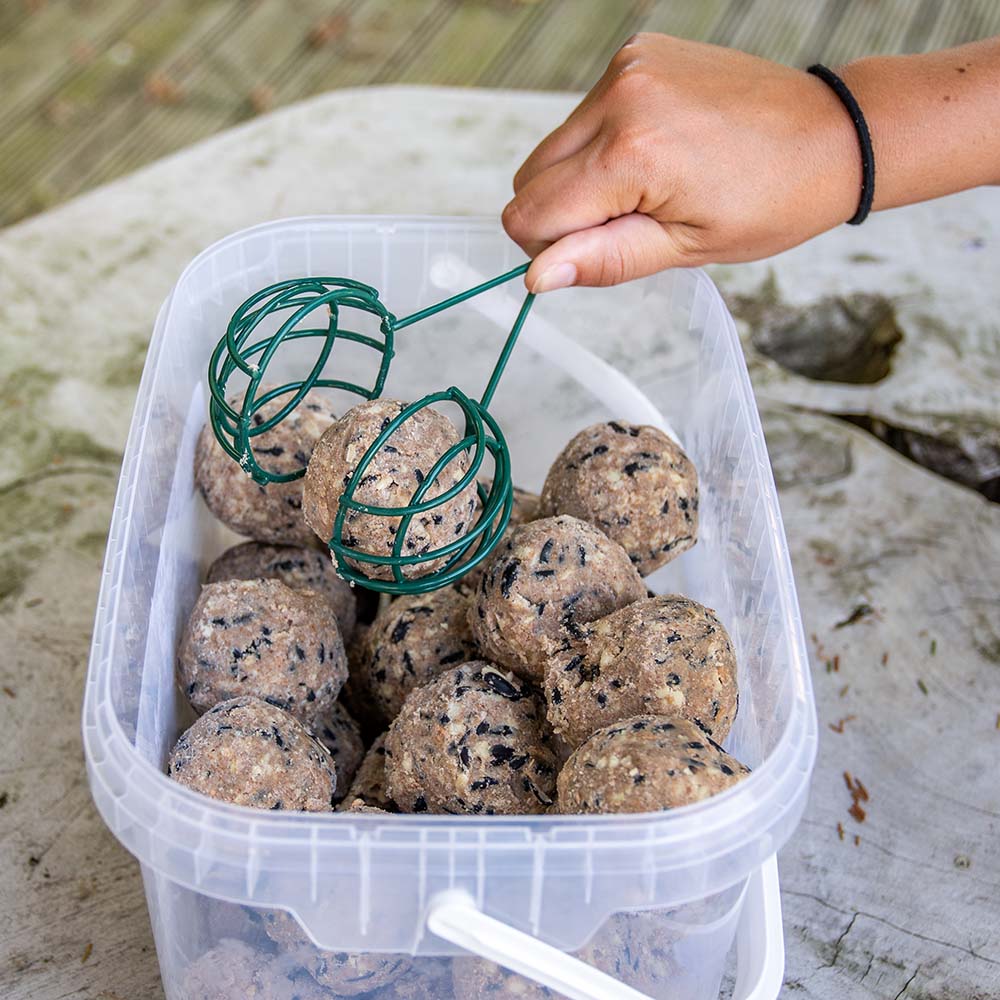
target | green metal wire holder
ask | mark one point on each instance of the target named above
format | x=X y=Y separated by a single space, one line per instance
x=236 y=429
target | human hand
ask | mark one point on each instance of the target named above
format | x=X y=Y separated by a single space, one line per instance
x=683 y=154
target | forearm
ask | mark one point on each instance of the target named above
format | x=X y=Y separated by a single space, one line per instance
x=934 y=119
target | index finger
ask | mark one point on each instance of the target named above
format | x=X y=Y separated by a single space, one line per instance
x=576 y=133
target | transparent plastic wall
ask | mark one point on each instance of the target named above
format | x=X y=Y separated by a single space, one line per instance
x=659 y=892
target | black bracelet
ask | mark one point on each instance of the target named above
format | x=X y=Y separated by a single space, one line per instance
x=864 y=140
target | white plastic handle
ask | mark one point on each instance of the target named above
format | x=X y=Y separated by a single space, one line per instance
x=454 y=916
x=619 y=393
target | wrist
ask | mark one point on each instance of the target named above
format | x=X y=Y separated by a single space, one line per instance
x=860 y=126
x=837 y=154
x=863 y=78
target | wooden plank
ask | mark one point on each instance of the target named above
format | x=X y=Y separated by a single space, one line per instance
x=380 y=41
x=426 y=25
x=830 y=15
x=217 y=71
x=11 y=17
x=592 y=61
x=778 y=31
x=494 y=73
x=44 y=49
x=965 y=22
x=77 y=115
x=272 y=48
x=949 y=25
x=40 y=160
x=566 y=48
x=727 y=25
x=686 y=20
x=473 y=35
x=141 y=118
x=215 y=67
x=925 y=16
x=871 y=29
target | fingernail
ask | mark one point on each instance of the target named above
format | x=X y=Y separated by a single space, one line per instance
x=558 y=276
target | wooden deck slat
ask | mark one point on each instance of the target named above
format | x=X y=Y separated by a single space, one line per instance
x=951 y=24
x=39 y=149
x=926 y=15
x=728 y=25
x=41 y=53
x=426 y=26
x=12 y=16
x=449 y=59
x=304 y=62
x=498 y=71
x=687 y=20
x=217 y=72
x=965 y=22
x=557 y=53
x=778 y=32
x=879 y=28
x=380 y=35
x=97 y=152
x=594 y=59
x=75 y=115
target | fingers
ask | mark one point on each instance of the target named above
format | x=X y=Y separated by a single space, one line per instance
x=579 y=130
x=580 y=192
x=632 y=246
x=582 y=126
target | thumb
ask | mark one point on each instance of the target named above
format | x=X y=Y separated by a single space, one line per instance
x=631 y=246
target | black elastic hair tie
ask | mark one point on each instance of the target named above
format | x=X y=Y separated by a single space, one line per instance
x=864 y=140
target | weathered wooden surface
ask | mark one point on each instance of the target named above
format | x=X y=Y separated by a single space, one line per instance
x=93 y=90
x=909 y=911
x=940 y=393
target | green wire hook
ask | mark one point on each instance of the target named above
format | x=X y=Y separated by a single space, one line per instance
x=236 y=429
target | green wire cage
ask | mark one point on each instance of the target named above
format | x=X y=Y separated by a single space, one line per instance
x=295 y=303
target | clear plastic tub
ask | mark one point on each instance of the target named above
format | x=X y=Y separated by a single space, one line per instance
x=657 y=898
